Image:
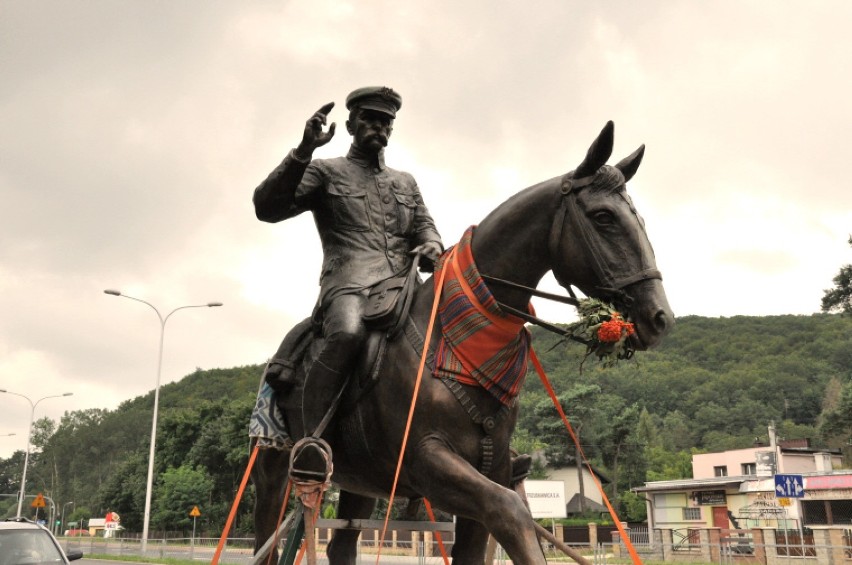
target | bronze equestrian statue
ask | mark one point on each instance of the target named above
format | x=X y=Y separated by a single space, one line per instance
x=583 y=227
x=371 y=220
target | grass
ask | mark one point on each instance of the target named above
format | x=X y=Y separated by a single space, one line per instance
x=141 y=559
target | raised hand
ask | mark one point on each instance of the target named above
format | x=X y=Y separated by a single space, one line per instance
x=314 y=136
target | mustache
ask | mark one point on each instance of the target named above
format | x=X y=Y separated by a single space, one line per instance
x=381 y=137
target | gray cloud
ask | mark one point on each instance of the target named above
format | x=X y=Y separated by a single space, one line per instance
x=134 y=133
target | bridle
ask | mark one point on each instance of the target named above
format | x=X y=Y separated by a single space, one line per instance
x=611 y=283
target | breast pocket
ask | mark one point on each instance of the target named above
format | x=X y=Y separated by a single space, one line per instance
x=349 y=207
x=406 y=205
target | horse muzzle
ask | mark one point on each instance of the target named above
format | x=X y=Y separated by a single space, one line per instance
x=651 y=315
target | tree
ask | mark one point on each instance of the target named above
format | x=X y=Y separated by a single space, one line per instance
x=635 y=509
x=619 y=447
x=665 y=465
x=179 y=490
x=838 y=422
x=576 y=402
x=124 y=491
x=839 y=298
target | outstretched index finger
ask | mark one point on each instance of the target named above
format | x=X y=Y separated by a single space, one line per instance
x=326 y=109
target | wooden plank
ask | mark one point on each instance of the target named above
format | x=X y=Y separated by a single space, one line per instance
x=409 y=525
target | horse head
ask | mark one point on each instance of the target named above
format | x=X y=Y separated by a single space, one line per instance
x=598 y=242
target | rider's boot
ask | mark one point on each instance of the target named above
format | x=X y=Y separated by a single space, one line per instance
x=280 y=372
x=321 y=387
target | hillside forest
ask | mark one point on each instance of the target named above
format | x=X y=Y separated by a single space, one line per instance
x=714 y=384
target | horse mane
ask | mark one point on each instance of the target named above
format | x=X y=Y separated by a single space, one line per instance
x=608 y=179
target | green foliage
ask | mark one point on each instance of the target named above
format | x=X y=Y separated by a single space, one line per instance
x=837 y=419
x=839 y=298
x=142 y=559
x=634 y=507
x=714 y=384
x=180 y=489
x=329 y=512
x=124 y=491
x=665 y=465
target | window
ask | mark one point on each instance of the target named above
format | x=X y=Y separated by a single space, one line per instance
x=691 y=513
x=749 y=468
x=720 y=471
x=827 y=512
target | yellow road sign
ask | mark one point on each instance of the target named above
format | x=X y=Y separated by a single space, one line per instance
x=784 y=502
x=38 y=502
x=195 y=512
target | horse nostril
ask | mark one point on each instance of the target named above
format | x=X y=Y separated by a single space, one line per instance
x=662 y=321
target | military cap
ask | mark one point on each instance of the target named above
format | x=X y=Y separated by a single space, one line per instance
x=380 y=98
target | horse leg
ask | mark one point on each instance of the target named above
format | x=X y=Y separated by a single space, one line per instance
x=471 y=541
x=453 y=485
x=269 y=476
x=343 y=547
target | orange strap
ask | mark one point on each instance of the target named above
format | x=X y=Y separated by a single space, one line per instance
x=234 y=506
x=423 y=357
x=624 y=537
x=281 y=513
x=438 y=535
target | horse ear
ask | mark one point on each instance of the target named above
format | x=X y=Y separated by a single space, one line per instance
x=598 y=154
x=630 y=164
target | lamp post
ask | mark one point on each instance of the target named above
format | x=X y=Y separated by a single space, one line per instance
x=150 y=482
x=62 y=519
x=29 y=436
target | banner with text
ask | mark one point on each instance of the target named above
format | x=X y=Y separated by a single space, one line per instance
x=546 y=498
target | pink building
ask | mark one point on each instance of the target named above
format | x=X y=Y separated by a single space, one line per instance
x=736 y=489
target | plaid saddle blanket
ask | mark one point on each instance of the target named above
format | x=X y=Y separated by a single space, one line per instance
x=480 y=344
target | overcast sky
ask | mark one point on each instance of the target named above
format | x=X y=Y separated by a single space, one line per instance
x=132 y=134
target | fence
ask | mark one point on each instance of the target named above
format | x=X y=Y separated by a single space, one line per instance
x=239 y=551
x=758 y=546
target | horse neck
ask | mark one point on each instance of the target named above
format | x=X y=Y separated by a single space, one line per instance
x=511 y=243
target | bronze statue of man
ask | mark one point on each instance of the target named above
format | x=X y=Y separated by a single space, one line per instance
x=371 y=220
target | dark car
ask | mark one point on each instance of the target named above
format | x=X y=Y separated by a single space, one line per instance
x=23 y=542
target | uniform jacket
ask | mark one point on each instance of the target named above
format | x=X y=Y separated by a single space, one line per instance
x=369 y=216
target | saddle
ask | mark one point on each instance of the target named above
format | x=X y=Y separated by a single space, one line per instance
x=386 y=315
x=388 y=304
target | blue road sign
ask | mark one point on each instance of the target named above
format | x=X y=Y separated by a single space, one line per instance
x=789 y=486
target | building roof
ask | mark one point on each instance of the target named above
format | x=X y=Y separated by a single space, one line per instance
x=693 y=483
x=573 y=506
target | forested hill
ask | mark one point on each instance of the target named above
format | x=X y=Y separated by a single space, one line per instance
x=715 y=383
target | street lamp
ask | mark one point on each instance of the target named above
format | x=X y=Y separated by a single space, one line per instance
x=62 y=519
x=29 y=436
x=149 y=484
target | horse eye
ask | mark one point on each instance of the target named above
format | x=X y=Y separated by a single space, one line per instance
x=603 y=217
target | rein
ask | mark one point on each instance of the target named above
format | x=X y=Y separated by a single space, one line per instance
x=572 y=300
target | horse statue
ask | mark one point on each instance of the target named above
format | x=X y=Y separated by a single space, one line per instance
x=583 y=227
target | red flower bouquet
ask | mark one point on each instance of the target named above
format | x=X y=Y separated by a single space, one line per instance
x=603 y=330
